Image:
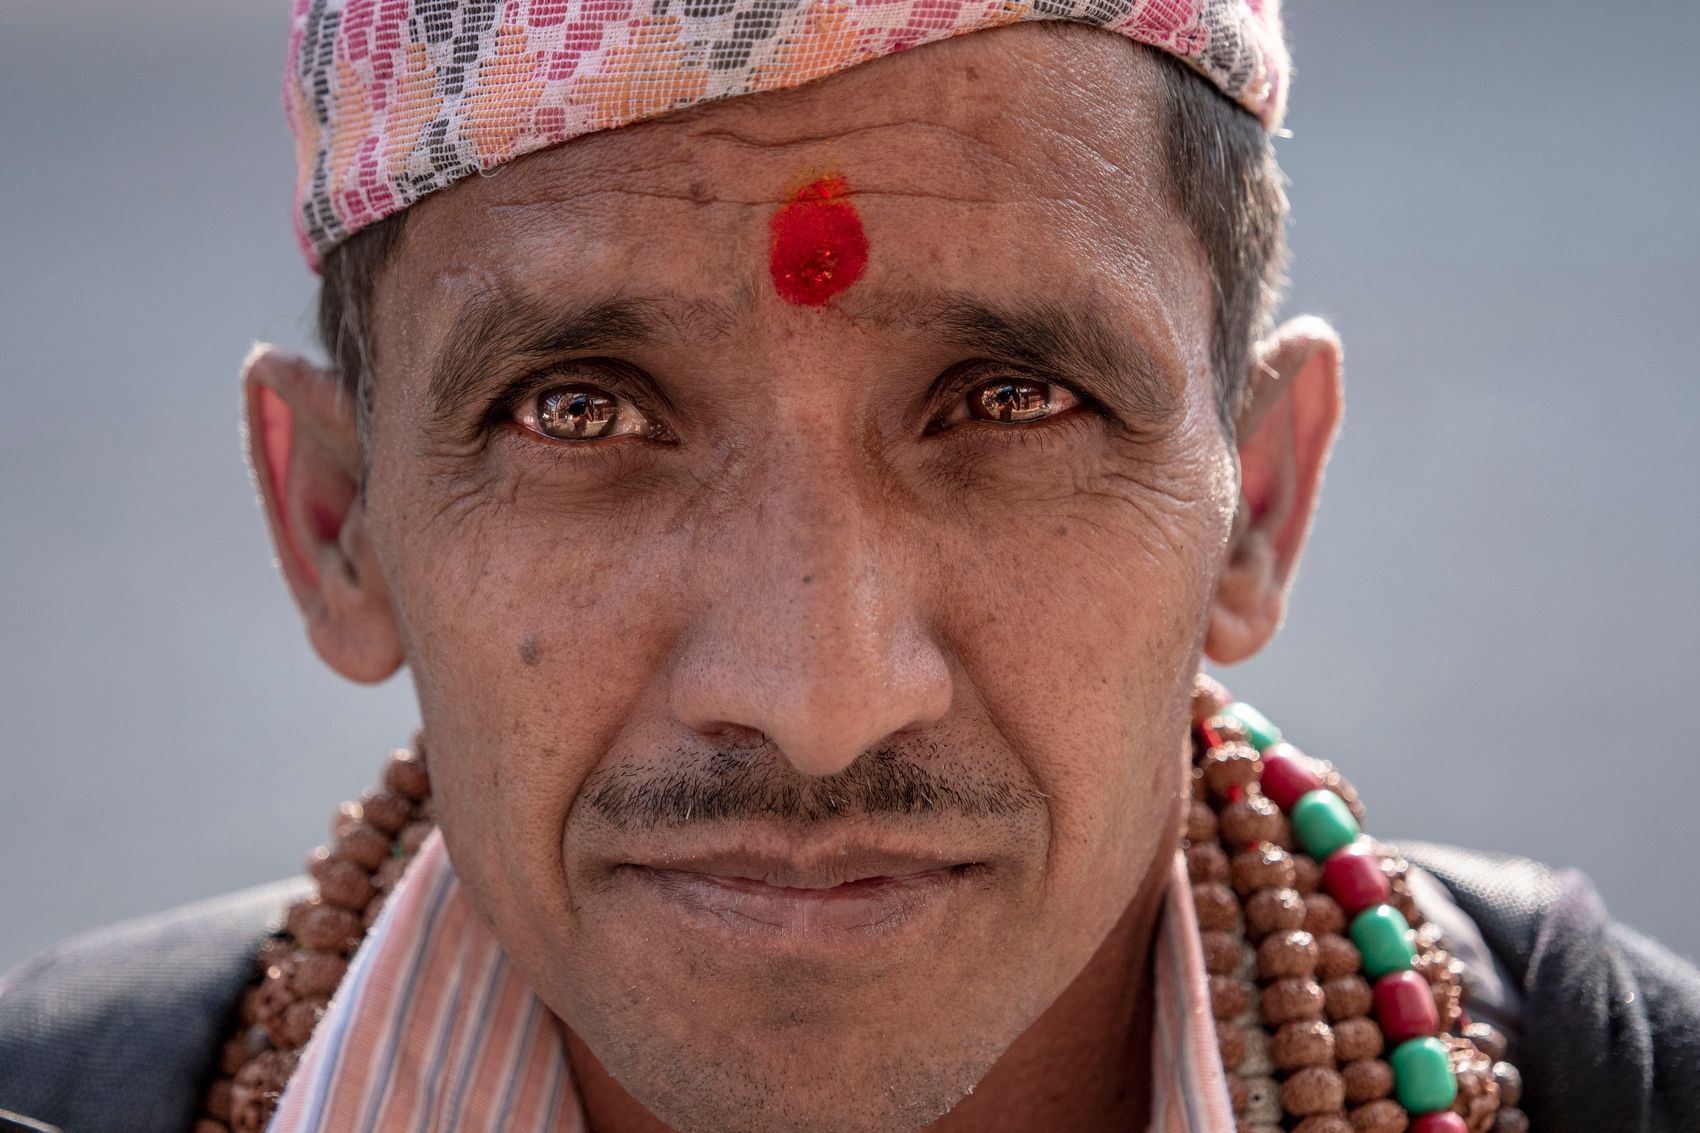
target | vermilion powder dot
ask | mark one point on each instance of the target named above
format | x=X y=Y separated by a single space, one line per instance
x=817 y=247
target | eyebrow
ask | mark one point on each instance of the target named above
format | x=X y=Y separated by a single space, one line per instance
x=1077 y=343
x=498 y=325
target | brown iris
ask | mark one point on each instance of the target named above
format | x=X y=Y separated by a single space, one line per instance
x=1010 y=401
x=576 y=413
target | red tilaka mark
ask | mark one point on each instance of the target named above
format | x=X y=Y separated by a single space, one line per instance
x=817 y=247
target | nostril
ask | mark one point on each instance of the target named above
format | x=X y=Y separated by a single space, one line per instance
x=735 y=737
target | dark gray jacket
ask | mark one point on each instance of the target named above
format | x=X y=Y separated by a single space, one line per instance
x=120 y=1029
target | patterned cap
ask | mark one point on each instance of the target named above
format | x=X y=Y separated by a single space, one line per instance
x=392 y=99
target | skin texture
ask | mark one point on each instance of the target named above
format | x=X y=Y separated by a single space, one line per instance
x=809 y=605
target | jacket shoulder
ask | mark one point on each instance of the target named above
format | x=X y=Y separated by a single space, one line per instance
x=1610 y=1019
x=119 y=1028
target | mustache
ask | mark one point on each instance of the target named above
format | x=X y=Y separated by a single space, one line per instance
x=760 y=785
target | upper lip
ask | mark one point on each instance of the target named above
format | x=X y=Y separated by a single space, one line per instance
x=823 y=868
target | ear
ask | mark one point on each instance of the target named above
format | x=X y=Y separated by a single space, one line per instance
x=304 y=447
x=1285 y=431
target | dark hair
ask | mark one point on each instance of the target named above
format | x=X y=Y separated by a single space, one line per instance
x=1222 y=172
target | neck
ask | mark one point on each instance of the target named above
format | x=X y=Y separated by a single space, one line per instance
x=1085 y=1064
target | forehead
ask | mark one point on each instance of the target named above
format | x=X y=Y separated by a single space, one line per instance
x=1025 y=162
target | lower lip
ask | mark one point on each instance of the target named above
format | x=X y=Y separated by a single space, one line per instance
x=871 y=907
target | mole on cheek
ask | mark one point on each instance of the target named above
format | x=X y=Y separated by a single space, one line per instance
x=816 y=244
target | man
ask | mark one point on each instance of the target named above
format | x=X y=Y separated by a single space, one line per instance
x=804 y=515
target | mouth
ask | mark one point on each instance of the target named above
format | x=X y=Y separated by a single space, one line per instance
x=850 y=893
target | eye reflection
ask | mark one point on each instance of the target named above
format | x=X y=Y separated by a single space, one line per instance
x=1012 y=401
x=576 y=413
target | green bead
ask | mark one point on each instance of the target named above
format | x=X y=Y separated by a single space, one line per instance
x=1384 y=939
x=1263 y=733
x=1323 y=823
x=1422 y=1075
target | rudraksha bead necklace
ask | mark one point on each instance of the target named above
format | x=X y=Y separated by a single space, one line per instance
x=1337 y=1007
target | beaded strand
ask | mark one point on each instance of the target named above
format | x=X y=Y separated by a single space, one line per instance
x=1338 y=1009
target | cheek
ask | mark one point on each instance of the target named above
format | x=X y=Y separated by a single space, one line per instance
x=530 y=651
x=1079 y=621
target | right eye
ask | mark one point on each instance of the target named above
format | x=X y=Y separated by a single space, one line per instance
x=580 y=412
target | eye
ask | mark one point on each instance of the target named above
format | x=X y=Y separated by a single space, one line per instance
x=1011 y=400
x=580 y=412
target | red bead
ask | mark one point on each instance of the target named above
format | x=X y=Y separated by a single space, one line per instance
x=1288 y=775
x=1404 y=1006
x=1443 y=1122
x=1353 y=877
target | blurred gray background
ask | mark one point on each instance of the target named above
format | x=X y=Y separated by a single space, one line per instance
x=1497 y=629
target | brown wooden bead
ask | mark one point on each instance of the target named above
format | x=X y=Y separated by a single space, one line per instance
x=363 y=844
x=218 y=1100
x=1510 y=1081
x=1235 y=765
x=323 y=927
x=413 y=836
x=317 y=973
x=1205 y=861
x=347 y=815
x=1305 y=1042
x=1266 y=867
x=1221 y=951
x=341 y=883
x=1357 y=1038
x=1510 y=1120
x=1227 y=996
x=1287 y=1000
x=1382 y=1116
x=1366 y=1079
x=256 y=1089
x=1323 y=1123
x=1209 y=696
x=388 y=874
x=1488 y=1039
x=1323 y=915
x=1201 y=823
x=1249 y=821
x=1315 y=1089
x=299 y=1021
x=1273 y=910
x=1217 y=907
x=1307 y=874
x=272 y=949
x=370 y=916
x=1230 y=1043
x=1336 y=956
x=387 y=810
x=1478 y=1093
x=1347 y=997
x=1283 y=954
x=405 y=774
x=231 y=1056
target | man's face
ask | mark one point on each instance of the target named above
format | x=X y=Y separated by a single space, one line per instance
x=803 y=726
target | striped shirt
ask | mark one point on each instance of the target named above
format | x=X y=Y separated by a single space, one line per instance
x=433 y=1030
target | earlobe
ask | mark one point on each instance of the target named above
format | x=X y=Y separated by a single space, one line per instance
x=304 y=449
x=1286 y=430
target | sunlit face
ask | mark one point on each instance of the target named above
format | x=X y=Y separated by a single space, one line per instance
x=806 y=680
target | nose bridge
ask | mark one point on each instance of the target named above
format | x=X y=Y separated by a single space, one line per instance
x=817 y=634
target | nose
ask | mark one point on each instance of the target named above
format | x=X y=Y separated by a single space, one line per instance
x=813 y=629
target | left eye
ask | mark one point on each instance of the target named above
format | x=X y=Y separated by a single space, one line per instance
x=580 y=412
x=1012 y=401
